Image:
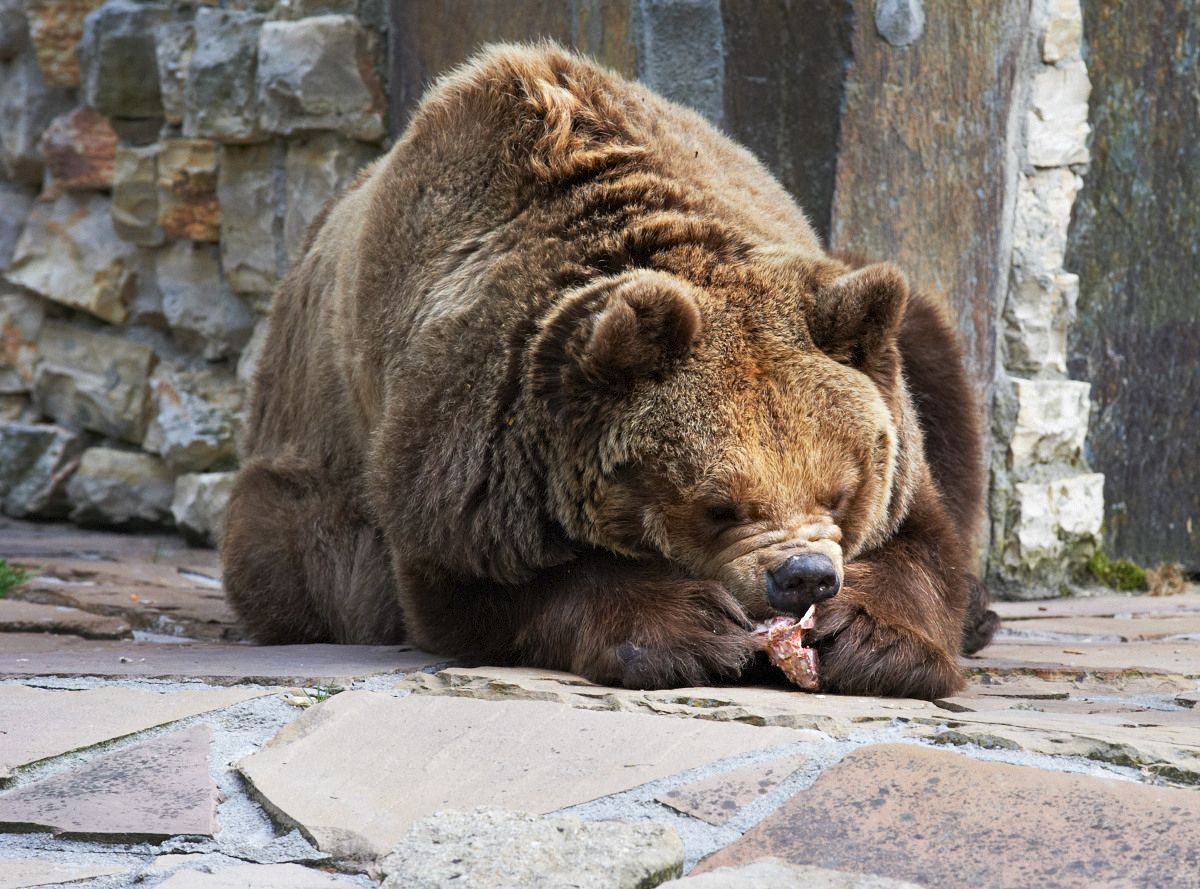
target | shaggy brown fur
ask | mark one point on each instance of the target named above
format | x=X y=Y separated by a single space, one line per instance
x=566 y=375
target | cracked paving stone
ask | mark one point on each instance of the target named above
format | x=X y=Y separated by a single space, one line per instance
x=26 y=873
x=146 y=792
x=474 y=850
x=257 y=876
x=39 y=723
x=417 y=755
x=719 y=798
x=1121 y=629
x=29 y=654
x=1098 y=606
x=1057 y=660
x=771 y=873
x=941 y=819
x=17 y=616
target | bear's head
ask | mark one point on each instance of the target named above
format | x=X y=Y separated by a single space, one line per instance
x=754 y=430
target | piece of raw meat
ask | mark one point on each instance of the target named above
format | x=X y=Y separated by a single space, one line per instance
x=782 y=638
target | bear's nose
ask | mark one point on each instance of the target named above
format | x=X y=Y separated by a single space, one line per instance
x=800 y=581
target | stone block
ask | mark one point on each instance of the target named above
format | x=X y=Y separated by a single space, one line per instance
x=317 y=169
x=319 y=74
x=15 y=203
x=70 y=253
x=201 y=311
x=900 y=22
x=219 y=95
x=88 y=380
x=118 y=61
x=1051 y=519
x=27 y=105
x=1058 y=120
x=1062 y=35
x=79 y=148
x=199 y=505
x=187 y=184
x=56 y=27
x=135 y=206
x=120 y=488
x=21 y=318
x=1049 y=425
x=196 y=418
x=174 y=42
x=1038 y=312
x=250 y=187
x=36 y=460
x=1043 y=214
x=474 y=850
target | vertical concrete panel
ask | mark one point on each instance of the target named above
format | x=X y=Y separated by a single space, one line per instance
x=1135 y=243
x=785 y=77
x=926 y=173
x=679 y=47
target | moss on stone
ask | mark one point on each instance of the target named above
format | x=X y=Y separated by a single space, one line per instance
x=11 y=578
x=1120 y=574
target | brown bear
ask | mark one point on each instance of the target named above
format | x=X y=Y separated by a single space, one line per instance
x=565 y=379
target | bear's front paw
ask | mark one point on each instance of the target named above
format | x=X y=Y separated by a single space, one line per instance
x=686 y=633
x=859 y=655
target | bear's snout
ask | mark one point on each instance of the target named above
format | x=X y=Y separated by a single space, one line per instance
x=800 y=581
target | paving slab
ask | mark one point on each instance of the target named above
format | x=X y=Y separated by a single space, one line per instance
x=39 y=723
x=38 y=541
x=719 y=798
x=941 y=819
x=146 y=792
x=170 y=599
x=356 y=771
x=28 y=654
x=772 y=873
x=832 y=714
x=1119 y=629
x=1059 y=660
x=1100 y=606
x=28 y=617
x=492 y=848
x=25 y=873
x=256 y=876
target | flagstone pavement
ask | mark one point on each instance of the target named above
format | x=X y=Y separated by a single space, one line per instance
x=144 y=742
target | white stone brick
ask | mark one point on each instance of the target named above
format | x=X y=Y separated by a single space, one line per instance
x=1062 y=36
x=1051 y=423
x=1058 y=124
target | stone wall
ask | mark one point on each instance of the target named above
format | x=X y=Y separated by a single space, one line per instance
x=161 y=162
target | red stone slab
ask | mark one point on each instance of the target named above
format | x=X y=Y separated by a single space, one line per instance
x=719 y=798
x=941 y=819
x=150 y=791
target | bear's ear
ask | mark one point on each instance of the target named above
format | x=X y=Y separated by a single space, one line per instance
x=613 y=333
x=856 y=317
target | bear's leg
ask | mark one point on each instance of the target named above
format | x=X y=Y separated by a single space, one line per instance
x=896 y=626
x=611 y=620
x=302 y=564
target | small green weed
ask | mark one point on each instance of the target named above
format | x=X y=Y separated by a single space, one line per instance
x=11 y=578
x=1120 y=574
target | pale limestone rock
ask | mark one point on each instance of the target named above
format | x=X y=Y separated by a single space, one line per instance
x=21 y=318
x=1058 y=125
x=219 y=95
x=117 y=59
x=15 y=203
x=1037 y=313
x=1050 y=426
x=174 y=43
x=36 y=460
x=135 y=195
x=474 y=850
x=113 y=487
x=1063 y=32
x=319 y=74
x=1052 y=516
x=317 y=169
x=199 y=505
x=900 y=22
x=69 y=253
x=251 y=193
x=27 y=105
x=78 y=148
x=89 y=380
x=201 y=311
x=56 y=27
x=187 y=190
x=196 y=417
x=1043 y=214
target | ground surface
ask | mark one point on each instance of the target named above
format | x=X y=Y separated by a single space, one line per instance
x=142 y=743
